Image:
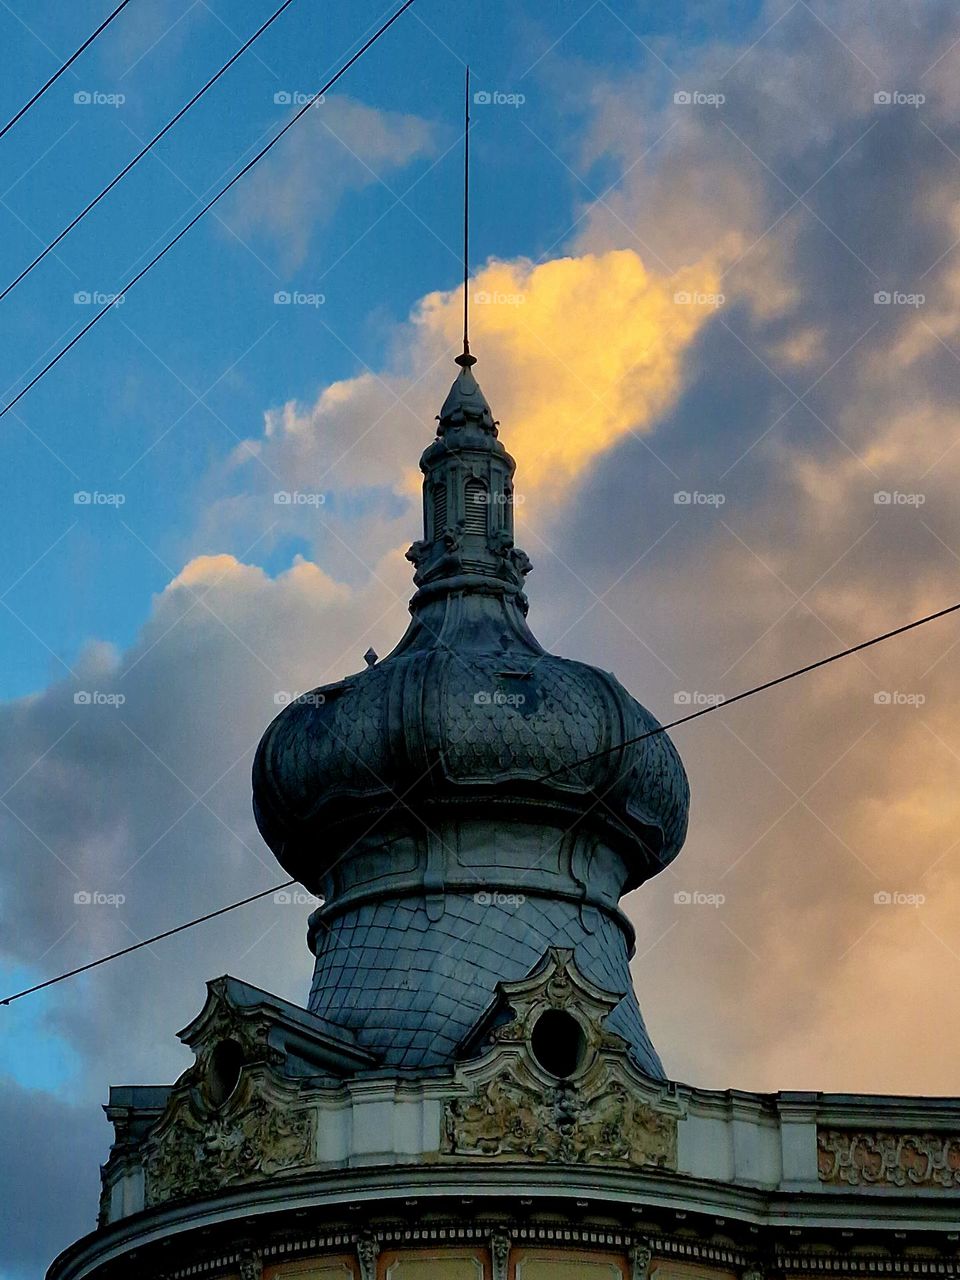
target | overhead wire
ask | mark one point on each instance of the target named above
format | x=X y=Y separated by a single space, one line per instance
x=122 y=292
x=712 y=707
x=144 y=150
x=64 y=67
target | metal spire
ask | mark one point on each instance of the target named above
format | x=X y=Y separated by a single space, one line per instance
x=466 y=359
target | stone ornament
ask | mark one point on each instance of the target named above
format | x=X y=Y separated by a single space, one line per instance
x=605 y=1113
x=368 y=1251
x=641 y=1256
x=203 y=1142
x=857 y=1158
x=500 y=1254
x=509 y=1117
x=251 y=1267
x=259 y=1134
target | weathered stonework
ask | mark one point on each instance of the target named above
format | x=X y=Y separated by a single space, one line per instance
x=195 y=1150
x=509 y=1117
x=601 y=1115
x=886 y=1158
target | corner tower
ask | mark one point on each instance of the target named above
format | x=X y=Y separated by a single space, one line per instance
x=437 y=802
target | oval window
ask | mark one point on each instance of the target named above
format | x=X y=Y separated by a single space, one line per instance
x=558 y=1042
x=223 y=1073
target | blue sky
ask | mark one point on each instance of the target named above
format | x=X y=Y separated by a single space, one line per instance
x=789 y=401
x=102 y=420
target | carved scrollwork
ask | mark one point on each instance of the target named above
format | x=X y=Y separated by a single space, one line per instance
x=857 y=1158
x=194 y=1152
x=508 y=1117
x=605 y=1114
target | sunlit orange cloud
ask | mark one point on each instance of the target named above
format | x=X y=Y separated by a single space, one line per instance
x=576 y=352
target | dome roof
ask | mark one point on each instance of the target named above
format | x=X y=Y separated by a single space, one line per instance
x=468 y=712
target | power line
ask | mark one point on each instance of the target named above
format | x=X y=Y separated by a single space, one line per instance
x=651 y=733
x=207 y=207
x=57 y=74
x=759 y=688
x=167 y=933
x=140 y=154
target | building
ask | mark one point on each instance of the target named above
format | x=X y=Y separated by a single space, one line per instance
x=471 y=1092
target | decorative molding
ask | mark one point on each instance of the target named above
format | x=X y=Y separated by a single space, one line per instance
x=368 y=1251
x=500 y=1254
x=857 y=1158
x=641 y=1256
x=511 y=1116
x=259 y=1133
x=220 y=1019
x=604 y=1113
x=836 y=1262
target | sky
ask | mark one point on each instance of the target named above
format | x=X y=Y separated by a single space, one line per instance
x=715 y=261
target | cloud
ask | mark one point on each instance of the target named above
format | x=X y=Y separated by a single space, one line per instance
x=129 y=811
x=31 y=1237
x=575 y=354
x=796 y=402
x=340 y=146
x=582 y=351
x=826 y=423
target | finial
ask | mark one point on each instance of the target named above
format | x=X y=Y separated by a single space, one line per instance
x=371 y=657
x=465 y=360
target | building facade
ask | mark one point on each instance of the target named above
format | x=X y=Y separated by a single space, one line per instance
x=470 y=1092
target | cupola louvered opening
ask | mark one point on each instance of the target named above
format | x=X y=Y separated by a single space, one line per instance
x=439 y=509
x=475 y=507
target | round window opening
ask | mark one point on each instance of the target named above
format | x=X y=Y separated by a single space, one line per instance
x=223 y=1076
x=558 y=1042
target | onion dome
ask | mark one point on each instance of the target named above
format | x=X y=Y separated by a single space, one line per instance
x=468 y=707
x=458 y=768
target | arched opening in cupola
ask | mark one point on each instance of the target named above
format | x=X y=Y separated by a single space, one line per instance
x=475 y=507
x=439 y=508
